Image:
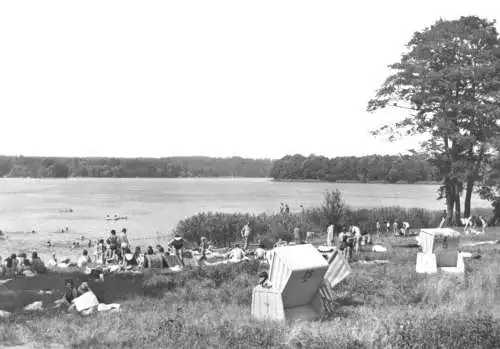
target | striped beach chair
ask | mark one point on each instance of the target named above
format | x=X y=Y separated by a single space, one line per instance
x=338 y=268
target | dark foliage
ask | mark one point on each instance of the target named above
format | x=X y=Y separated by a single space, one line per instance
x=40 y=167
x=388 y=168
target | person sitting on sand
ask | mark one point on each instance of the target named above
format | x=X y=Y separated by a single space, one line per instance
x=138 y=256
x=70 y=293
x=280 y=243
x=260 y=252
x=178 y=244
x=23 y=263
x=109 y=254
x=150 y=251
x=264 y=280
x=84 y=260
x=237 y=254
x=52 y=263
x=129 y=260
x=10 y=268
x=83 y=288
x=37 y=264
x=113 y=240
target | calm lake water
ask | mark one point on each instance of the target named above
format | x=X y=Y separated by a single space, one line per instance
x=153 y=205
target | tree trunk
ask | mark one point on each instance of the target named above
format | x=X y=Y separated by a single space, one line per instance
x=457 y=206
x=468 y=196
x=471 y=178
x=450 y=200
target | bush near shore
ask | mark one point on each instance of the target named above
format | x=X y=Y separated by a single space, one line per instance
x=224 y=228
x=381 y=306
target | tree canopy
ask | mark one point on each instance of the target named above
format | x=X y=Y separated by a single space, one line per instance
x=449 y=81
x=386 y=168
x=20 y=166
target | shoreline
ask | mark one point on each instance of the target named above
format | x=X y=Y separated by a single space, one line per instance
x=270 y=179
x=353 y=182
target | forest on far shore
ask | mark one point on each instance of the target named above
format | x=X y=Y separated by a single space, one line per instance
x=387 y=168
x=372 y=168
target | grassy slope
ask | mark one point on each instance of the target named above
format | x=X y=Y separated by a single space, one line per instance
x=385 y=306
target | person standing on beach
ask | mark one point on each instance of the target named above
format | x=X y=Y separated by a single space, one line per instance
x=356 y=232
x=113 y=240
x=245 y=234
x=443 y=219
x=387 y=227
x=330 y=235
x=296 y=235
x=377 y=226
x=178 y=244
x=406 y=228
x=123 y=240
x=395 y=227
x=203 y=249
x=483 y=224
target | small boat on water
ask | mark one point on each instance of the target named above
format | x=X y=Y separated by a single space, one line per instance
x=115 y=217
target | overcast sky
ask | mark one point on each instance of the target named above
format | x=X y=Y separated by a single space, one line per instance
x=217 y=78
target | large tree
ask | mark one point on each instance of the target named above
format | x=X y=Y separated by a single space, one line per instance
x=449 y=80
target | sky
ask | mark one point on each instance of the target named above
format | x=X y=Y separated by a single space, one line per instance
x=257 y=79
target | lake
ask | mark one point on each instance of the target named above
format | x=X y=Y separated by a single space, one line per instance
x=153 y=205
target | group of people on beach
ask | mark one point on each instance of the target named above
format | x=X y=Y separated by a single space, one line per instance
x=117 y=250
x=20 y=264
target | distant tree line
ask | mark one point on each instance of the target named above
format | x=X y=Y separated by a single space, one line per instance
x=172 y=167
x=388 y=168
